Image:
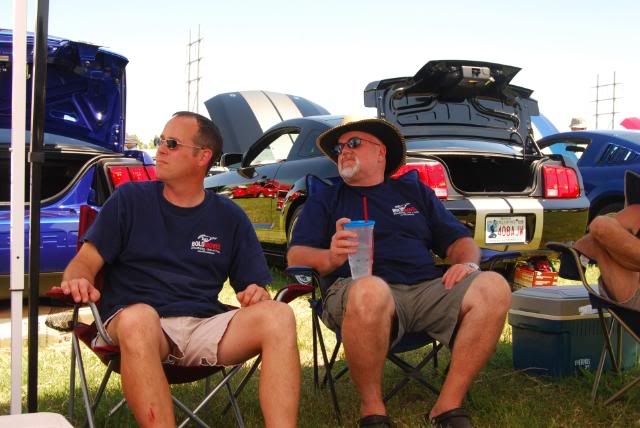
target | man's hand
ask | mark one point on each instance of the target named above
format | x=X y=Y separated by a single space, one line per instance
x=81 y=290
x=343 y=243
x=252 y=295
x=455 y=274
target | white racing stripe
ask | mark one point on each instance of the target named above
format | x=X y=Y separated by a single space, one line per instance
x=263 y=110
x=285 y=105
x=528 y=205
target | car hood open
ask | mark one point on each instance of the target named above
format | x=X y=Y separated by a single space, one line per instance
x=245 y=115
x=85 y=90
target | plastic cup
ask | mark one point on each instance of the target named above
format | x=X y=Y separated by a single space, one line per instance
x=361 y=262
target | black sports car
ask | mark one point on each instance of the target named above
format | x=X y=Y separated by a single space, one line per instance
x=469 y=134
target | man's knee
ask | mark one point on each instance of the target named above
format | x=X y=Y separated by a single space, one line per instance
x=370 y=299
x=136 y=324
x=491 y=292
x=276 y=319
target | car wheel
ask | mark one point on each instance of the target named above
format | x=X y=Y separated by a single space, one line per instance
x=294 y=220
x=611 y=209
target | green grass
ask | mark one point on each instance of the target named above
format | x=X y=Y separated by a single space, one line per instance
x=500 y=396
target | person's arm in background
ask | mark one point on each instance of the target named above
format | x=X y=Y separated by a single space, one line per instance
x=615 y=236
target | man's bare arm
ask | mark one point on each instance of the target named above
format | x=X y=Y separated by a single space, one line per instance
x=79 y=276
x=615 y=235
x=326 y=260
x=463 y=250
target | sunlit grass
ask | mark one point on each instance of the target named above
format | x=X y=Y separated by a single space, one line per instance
x=500 y=396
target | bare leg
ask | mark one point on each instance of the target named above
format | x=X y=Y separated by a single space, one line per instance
x=365 y=332
x=483 y=312
x=269 y=328
x=143 y=347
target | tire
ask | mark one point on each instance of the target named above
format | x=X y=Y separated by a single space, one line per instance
x=293 y=221
x=610 y=209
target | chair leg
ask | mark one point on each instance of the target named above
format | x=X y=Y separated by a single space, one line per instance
x=192 y=414
x=83 y=381
x=232 y=399
x=72 y=381
x=332 y=361
x=334 y=397
x=617 y=395
x=103 y=385
x=314 y=333
x=244 y=382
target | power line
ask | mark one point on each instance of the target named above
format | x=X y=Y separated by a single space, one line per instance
x=613 y=99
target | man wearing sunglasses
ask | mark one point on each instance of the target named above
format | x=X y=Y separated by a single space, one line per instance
x=167 y=248
x=464 y=309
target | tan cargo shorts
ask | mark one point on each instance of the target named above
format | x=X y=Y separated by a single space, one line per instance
x=192 y=341
x=426 y=307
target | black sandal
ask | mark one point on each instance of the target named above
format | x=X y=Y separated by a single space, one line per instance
x=455 y=418
x=375 y=421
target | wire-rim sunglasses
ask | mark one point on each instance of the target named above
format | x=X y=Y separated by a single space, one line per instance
x=172 y=143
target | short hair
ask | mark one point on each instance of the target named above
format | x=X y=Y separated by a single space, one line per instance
x=208 y=135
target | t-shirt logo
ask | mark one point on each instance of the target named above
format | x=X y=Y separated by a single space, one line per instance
x=405 y=209
x=204 y=244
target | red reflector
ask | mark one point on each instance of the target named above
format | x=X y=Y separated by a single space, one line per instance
x=430 y=173
x=560 y=182
x=138 y=173
x=151 y=171
x=119 y=175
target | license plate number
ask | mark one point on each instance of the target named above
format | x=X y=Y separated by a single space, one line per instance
x=505 y=230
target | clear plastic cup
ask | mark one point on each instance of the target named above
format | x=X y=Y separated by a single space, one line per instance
x=361 y=262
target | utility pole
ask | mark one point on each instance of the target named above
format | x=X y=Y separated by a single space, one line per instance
x=193 y=51
x=612 y=99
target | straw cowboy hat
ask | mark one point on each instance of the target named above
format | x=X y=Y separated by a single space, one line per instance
x=388 y=134
x=578 y=123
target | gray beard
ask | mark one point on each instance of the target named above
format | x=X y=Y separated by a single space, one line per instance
x=348 y=172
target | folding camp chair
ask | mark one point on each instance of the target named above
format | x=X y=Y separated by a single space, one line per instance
x=621 y=318
x=110 y=356
x=308 y=281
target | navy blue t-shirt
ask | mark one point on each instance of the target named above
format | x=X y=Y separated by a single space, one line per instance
x=410 y=222
x=172 y=258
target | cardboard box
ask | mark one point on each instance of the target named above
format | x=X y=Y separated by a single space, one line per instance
x=527 y=277
x=555 y=333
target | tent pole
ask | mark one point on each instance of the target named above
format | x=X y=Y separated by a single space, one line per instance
x=16 y=224
x=36 y=158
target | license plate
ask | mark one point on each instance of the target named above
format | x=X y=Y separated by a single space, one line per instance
x=505 y=230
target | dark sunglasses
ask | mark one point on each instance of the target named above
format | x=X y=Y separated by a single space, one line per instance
x=352 y=143
x=172 y=143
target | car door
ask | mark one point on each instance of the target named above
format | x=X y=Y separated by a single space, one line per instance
x=253 y=186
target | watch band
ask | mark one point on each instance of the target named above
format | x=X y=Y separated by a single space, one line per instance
x=472 y=265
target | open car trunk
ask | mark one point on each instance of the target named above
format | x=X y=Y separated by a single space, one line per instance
x=59 y=172
x=479 y=174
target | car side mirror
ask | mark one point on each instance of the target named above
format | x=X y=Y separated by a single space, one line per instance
x=229 y=159
x=575 y=149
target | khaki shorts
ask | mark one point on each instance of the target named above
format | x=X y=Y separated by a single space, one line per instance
x=426 y=307
x=192 y=341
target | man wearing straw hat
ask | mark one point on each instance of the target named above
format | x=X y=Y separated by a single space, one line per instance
x=407 y=291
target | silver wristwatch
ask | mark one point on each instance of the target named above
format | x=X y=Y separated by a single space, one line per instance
x=472 y=265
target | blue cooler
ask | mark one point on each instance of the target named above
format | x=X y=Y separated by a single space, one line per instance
x=555 y=333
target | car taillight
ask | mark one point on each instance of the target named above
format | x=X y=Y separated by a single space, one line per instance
x=430 y=173
x=122 y=174
x=560 y=182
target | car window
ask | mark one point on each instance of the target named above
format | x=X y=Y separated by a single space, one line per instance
x=615 y=154
x=560 y=147
x=277 y=151
x=309 y=149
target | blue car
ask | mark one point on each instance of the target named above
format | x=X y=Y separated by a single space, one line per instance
x=602 y=157
x=85 y=157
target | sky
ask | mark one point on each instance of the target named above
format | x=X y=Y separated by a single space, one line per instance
x=328 y=51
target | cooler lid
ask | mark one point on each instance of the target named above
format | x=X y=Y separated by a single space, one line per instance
x=557 y=300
